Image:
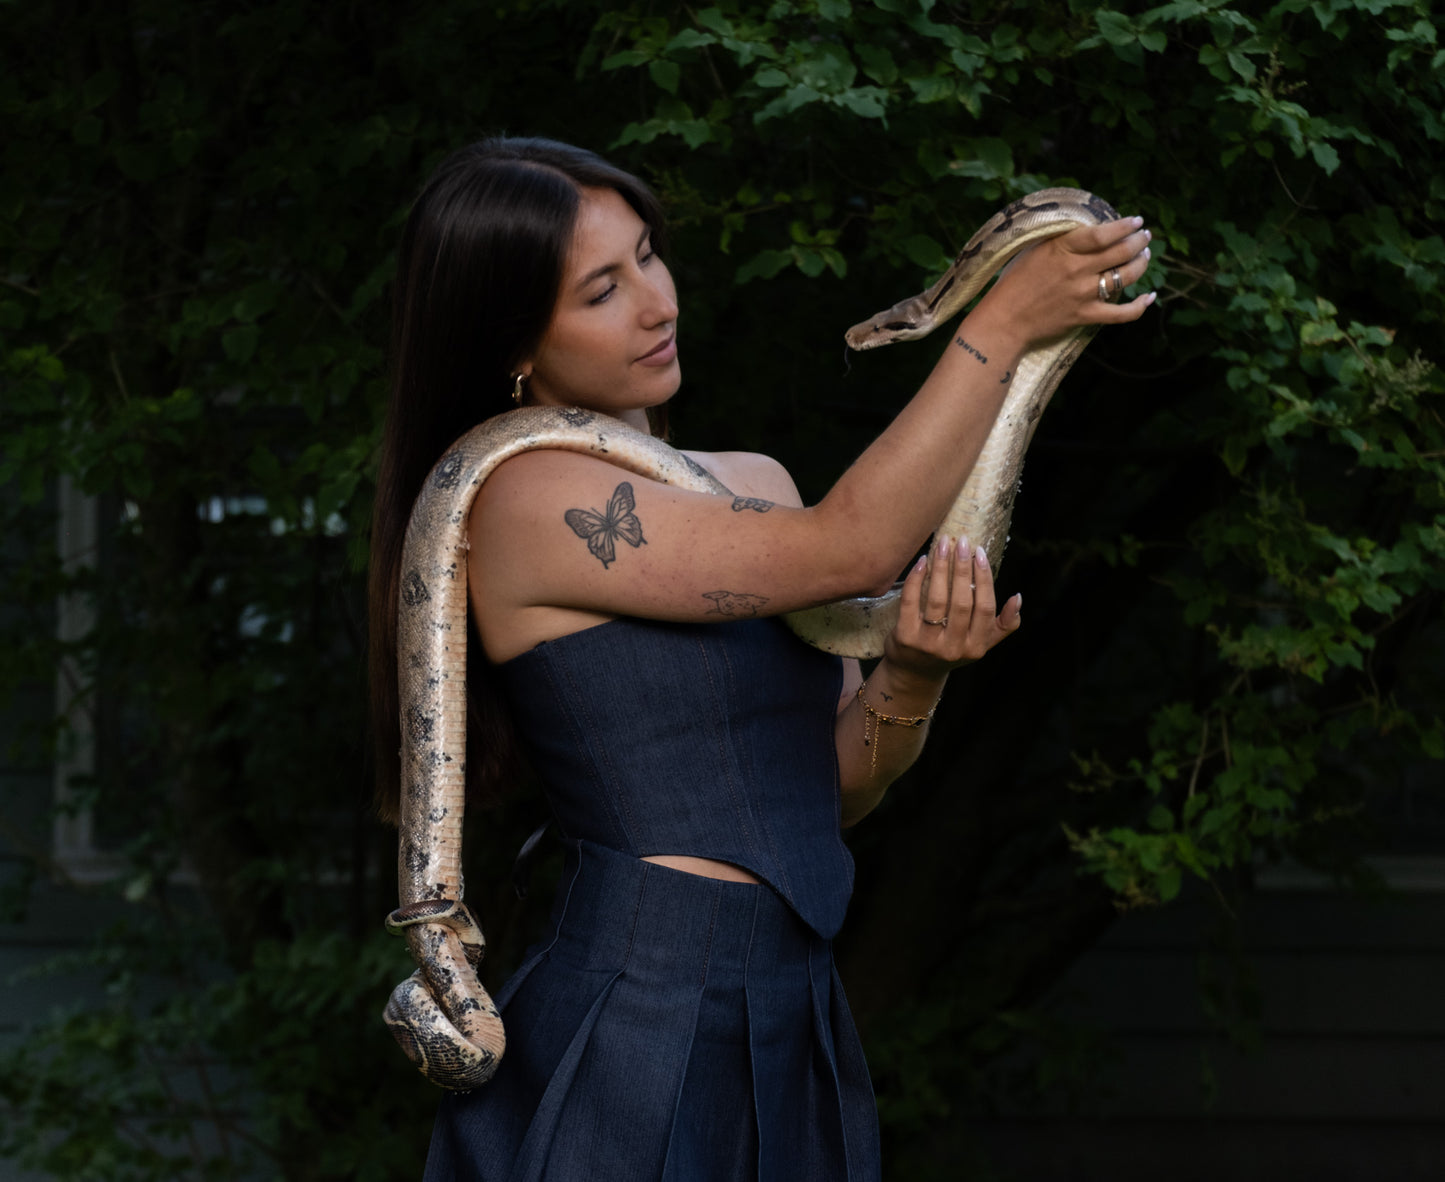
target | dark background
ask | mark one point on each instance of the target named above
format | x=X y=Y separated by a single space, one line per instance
x=1229 y=538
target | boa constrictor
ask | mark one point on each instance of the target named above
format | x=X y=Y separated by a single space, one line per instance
x=441 y=1015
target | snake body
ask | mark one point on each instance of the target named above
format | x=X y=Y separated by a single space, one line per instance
x=441 y=1015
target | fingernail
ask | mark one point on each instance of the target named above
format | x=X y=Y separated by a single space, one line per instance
x=1145 y=252
x=982 y=557
x=962 y=549
x=921 y=563
x=1138 y=221
x=944 y=544
x=1149 y=299
x=1148 y=236
x=1019 y=595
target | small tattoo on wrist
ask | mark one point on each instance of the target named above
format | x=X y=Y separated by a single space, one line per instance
x=970 y=350
x=734 y=604
x=756 y=504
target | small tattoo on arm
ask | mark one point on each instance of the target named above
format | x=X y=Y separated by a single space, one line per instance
x=603 y=529
x=734 y=604
x=886 y=697
x=970 y=350
x=756 y=504
x=1007 y=377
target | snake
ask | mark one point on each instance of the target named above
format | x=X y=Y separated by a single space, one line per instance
x=441 y=1015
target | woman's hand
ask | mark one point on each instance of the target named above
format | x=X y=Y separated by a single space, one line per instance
x=1057 y=285
x=947 y=611
x=946 y=619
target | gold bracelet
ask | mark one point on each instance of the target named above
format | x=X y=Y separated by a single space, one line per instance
x=877 y=718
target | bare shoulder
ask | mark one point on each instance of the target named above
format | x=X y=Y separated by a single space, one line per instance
x=529 y=472
x=751 y=476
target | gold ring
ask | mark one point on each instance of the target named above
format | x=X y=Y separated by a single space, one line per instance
x=1118 y=284
x=943 y=623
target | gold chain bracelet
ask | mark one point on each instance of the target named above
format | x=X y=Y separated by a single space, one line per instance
x=873 y=720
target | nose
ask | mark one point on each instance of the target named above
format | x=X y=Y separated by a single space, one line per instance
x=661 y=306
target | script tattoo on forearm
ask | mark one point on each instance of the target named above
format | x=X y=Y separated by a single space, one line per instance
x=970 y=350
x=756 y=504
x=982 y=360
x=738 y=605
x=603 y=529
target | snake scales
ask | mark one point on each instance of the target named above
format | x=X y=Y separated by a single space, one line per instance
x=441 y=1015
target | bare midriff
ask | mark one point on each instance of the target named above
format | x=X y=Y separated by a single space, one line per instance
x=703 y=867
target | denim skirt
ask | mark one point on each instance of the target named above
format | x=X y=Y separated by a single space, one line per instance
x=670 y=1027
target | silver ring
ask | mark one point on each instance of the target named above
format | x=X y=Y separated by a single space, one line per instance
x=943 y=623
x=1118 y=284
x=1103 y=289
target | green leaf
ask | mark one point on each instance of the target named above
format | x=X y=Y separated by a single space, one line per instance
x=1313 y=334
x=763 y=265
x=1325 y=156
x=689 y=39
x=810 y=261
x=878 y=63
x=932 y=88
x=794 y=98
x=627 y=57
x=665 y=74
x=866 y=101
x=927 y=253
x=1116 y=28
x=994 y=154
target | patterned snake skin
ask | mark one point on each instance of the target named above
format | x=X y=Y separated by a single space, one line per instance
x=441 y=1015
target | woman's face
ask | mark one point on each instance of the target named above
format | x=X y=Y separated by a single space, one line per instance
x=612 y=342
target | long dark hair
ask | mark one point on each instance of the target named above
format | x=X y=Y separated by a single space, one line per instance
x=478 y=271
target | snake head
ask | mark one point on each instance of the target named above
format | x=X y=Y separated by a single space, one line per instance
x=884 y=329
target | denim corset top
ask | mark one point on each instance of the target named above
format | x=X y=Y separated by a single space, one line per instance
x=710 y=740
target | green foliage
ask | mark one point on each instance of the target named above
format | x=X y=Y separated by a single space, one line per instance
x=1230 y=540
x=1315 y=413
x=196 y=1074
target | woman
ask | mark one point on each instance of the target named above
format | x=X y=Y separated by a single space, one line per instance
x=683 y=1019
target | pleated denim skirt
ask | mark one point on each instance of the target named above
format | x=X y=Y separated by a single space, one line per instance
x=671 y=1027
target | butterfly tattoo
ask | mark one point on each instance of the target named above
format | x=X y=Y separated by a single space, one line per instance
x=603 y=530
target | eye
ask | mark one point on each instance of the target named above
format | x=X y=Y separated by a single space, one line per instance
x=647 y=255
x=602 y=299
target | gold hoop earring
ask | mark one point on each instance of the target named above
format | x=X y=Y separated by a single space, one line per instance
x=517 y=390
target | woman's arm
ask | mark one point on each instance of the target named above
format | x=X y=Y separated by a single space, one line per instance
x=946 y=618
x=565 y=531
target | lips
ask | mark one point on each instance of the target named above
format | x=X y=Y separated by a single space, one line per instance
x=663 y=354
